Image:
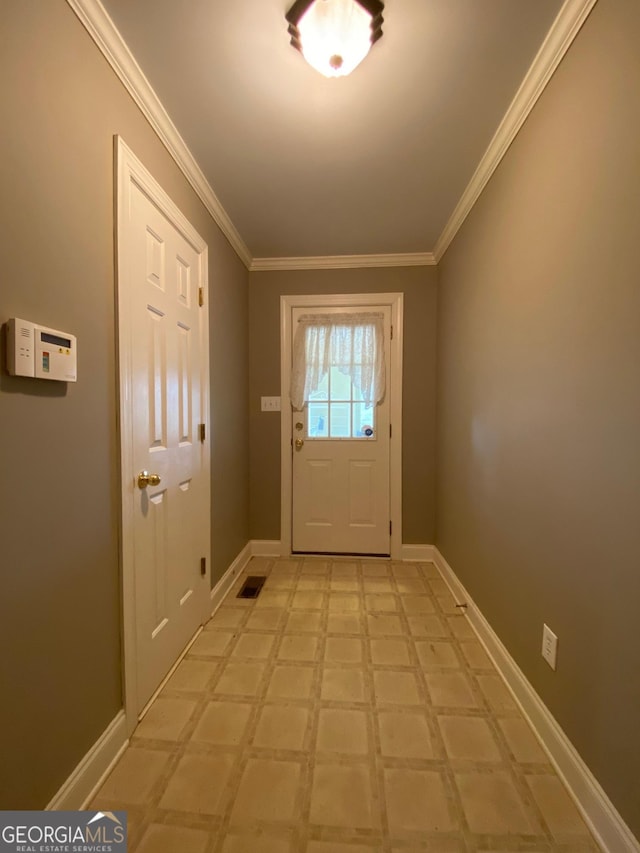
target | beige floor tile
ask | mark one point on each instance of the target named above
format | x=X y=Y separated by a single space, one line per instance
x=291 y=682
x=344 y=623
x=267 y=791
x=253 y=646
x=240 y=679
x=259 y=565
x=226 y=617
x=496 y=693
x=556 y=806
x=344 y=602
x=338 y=650
x=254 y=843
x=430 y=570
x=166 y=719
x=160 y=838
x=343 y=685
x=403 y=570
x=286 y=565
x=278 y=582
x=427 y=625
x=223 y=723
x=193 y=675
x=438 y=587
x=281 y=727
x=342 y=731
x=475 y=656
x=522 y=742
x=308 y=601
x=404 y=735
x=211 y=644
x=276 y=599
x=311 y=583
x=461 y=627
x=418 y=603
x=375 y=570
x=378 y=585
x=336 y=847
x=381 y=625
x=299 y=623
x=415 y=586
x=344 y=569
x=381 y=603
x=198 y=784
x=447 y=604
x=265 y=620
x=442 y=845
x=468 y=739
x=433 y=655
x=417 y=801
x=134 y=776
x=452 y=690
x=341 y=795
x=298 y=647
x=315 y=567
x=398 y=688
x=392 y=652
x=344 y=585
x=492 y=804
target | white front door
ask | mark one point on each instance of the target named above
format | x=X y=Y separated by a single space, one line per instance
x=162 y=335
x=340 y=488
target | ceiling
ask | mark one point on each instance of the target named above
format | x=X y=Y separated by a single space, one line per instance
x=370 y=164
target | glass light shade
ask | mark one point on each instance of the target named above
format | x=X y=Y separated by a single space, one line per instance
x=335 y=36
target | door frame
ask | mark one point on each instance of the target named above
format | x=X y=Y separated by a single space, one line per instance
x=347 y=300
x=130 y=172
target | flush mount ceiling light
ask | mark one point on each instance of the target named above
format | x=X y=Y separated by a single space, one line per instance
x=334 y=36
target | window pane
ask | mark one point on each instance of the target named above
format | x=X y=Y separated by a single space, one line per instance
x=318 y=420
x=340 y=420
x=340 y=385
x=323 y=390
x=363 y=420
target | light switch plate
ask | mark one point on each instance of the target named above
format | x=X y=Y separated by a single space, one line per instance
x=269 y=404
x=549 y=646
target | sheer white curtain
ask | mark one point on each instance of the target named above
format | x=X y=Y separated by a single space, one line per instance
x=354 y=343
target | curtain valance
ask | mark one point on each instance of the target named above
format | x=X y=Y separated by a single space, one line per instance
x=354 y=343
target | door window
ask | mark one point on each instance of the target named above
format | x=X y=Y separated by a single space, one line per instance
x=337 y=409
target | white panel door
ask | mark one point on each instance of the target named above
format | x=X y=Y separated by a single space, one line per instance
x=340 y=488
x=162 y=277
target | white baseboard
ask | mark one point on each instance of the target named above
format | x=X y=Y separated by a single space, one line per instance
x=91 y=772
x=221 y=589
x=606 y=824
x=419 y=553
x=266 y=548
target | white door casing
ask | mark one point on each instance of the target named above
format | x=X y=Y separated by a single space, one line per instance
x=340 y=485
x=322 y=459
x=163 y=359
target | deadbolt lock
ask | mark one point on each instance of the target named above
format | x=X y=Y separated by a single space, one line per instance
x=299 y=425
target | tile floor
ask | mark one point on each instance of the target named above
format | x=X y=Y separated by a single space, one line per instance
x=349 y=709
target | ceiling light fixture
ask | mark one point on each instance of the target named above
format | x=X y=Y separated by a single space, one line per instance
x=334 y=36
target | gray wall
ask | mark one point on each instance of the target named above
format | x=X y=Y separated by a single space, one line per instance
x=60 y=671
x=418 y=418
x=539 y=398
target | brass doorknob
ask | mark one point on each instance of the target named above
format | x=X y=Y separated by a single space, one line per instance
x=146 y=479
x=298 y=443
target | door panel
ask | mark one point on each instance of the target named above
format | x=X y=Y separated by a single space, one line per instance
x=171 y=519
x=340 y=473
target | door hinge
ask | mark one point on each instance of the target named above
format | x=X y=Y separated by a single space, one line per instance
x=202 y=432
x=203 y=566
x=390 y=430
x=201 y=296
x=390 y=528
x=392 y=333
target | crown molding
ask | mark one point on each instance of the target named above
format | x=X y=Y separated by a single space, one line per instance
x=103 y=31
x=558 y=41
x=343 y=262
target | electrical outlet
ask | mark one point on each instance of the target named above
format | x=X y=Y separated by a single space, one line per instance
x=549 y=646
x=269 y=404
